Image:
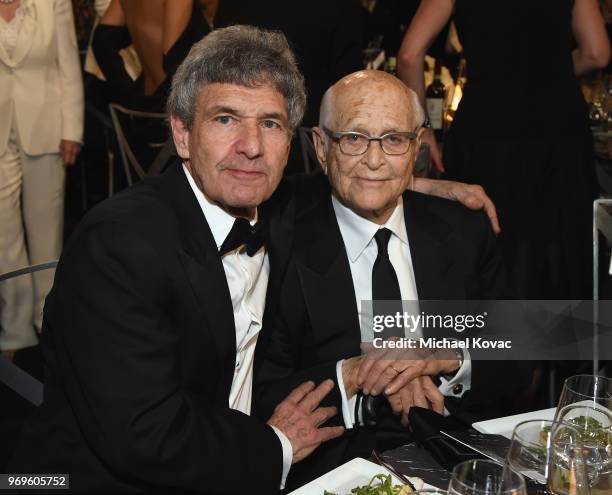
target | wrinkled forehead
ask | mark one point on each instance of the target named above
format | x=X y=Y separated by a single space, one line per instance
x=374 y=105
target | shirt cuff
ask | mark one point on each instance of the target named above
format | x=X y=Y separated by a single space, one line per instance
x=348 y=405
x=287 y=454
x=461 y=382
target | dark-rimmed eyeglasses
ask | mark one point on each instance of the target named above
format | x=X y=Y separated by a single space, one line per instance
x=356 y=143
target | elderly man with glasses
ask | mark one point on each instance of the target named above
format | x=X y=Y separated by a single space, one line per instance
x=368 y=237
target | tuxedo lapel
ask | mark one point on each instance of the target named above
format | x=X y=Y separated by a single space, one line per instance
x=327 y=283
x=204 y=270
x=280 y=215
x=427 y=235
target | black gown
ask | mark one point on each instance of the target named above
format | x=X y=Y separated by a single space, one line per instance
x=109 y=40
x=521 y=131
x=145 y=135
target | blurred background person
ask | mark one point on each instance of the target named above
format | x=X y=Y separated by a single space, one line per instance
x=521 y=129
x=41 y=103
x=209 y=9
x=391 y=18
x=161 y=31
x=130 y=59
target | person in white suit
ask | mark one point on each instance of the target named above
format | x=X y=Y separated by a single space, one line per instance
x=41 y=128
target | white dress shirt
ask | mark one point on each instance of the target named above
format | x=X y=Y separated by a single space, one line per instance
x=361 y=249
x=247 y=278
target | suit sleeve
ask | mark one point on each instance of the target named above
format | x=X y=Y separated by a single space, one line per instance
x=492 y=270
x=71 y=80
x=108 y=318
x=281 y=356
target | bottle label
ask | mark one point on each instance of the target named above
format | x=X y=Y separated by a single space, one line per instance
x=435 y=110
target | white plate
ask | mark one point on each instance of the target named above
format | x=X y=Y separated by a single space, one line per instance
x=505 y=426
x=344 y=478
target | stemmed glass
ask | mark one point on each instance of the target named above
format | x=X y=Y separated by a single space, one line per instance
x=586 y=404
x=551 y=454
x=592 y=391
x=484 y=477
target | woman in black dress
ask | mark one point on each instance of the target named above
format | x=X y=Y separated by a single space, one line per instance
x=162 y=32
x=521 y=130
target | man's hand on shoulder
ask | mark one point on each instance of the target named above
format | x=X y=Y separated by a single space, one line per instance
x=299 y=417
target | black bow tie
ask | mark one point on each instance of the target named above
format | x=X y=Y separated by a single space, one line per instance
x=243 y=233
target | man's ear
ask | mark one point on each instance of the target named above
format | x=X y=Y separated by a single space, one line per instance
x=180 y=135
x=319 y=143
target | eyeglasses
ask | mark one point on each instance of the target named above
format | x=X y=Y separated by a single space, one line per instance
x=356 y=143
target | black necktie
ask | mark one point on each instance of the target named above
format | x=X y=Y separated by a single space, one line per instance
x=385 y=286
x=252 y=236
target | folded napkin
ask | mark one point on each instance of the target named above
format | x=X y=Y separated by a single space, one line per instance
x=426 y=425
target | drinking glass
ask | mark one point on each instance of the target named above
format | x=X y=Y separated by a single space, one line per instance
x=586 y=404
x=484 y=477
x=587 y=390
x=550 y=453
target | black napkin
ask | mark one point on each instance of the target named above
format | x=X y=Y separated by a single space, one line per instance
x=426 y=425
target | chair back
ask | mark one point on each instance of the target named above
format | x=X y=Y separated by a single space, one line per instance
x=141 y=137
x=11 y=375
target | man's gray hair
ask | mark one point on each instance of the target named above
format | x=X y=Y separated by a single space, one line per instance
x=242 y=55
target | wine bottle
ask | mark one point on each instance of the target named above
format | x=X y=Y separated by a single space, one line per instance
x=434 y=95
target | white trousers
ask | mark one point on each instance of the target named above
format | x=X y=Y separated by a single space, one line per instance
x=31 y=225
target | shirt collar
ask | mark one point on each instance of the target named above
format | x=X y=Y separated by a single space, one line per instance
x=219 y=221
x=357 y=232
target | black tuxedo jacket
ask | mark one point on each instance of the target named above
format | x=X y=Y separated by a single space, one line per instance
x=455 y=255
x=139 y=348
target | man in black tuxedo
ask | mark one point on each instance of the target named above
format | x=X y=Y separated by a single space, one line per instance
x=369 y=238
x=150 y=330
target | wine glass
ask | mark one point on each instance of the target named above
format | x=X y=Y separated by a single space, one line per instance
x=550 y=453
x=586 y=403
x=586 y=390
x=485 y=477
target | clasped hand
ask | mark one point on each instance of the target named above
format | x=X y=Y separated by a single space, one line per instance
x=402 y=375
